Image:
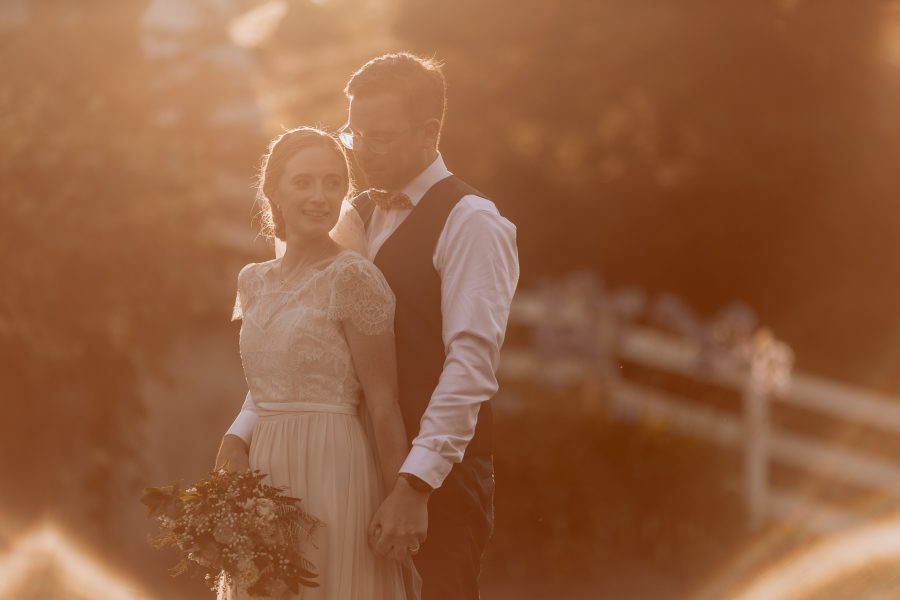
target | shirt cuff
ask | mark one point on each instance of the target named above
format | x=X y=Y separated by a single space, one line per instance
x=427 y=465
x=243 y=426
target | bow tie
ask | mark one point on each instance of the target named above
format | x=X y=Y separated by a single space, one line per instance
x=390 y=200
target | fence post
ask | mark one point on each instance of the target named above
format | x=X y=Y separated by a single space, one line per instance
x=756 y=452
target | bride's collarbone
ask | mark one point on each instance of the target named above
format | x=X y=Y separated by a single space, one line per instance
x=284 y=276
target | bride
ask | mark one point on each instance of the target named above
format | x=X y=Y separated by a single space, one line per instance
x=316 y=337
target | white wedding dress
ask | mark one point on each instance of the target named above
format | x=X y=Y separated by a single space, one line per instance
x=313 y=435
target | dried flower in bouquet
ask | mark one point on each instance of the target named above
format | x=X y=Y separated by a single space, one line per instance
x=239 y=532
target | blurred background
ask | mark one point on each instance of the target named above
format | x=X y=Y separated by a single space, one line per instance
x=701 y=374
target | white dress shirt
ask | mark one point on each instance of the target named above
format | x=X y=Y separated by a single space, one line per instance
x=478 y=263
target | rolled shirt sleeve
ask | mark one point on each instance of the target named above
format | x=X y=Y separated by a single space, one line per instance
x=477 y=260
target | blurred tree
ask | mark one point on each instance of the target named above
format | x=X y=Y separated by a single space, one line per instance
x=308 y=58
x=117 y=190
x=721 y=151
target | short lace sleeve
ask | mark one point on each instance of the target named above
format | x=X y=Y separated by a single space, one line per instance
x=242 y=297
x=361 y=296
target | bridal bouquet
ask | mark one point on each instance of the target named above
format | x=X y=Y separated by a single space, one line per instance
x=241 y=533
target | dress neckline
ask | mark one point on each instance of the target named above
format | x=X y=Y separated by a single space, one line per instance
x=319 y=266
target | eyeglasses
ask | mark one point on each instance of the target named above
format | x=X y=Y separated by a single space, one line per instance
x=377 y=144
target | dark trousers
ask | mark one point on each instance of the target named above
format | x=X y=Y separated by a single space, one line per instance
x=460 y=521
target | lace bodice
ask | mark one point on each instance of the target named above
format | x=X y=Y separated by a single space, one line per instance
x=292 y=343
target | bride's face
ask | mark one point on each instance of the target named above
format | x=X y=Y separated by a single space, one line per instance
x=310 y=190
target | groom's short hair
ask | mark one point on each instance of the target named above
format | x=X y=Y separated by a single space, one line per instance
x=419 y=81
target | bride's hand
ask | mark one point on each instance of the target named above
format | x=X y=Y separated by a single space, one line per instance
x=233 y=454
x=400 y=524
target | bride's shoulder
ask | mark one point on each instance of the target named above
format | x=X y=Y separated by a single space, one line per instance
x=253 y=270
x=357 y=283
x=350 y=259
x=350 y=264
x=260 y=265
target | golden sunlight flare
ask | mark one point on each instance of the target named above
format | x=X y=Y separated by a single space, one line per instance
x=890 y=34
x=45 y=564
x=255 y=26
x=832 y=562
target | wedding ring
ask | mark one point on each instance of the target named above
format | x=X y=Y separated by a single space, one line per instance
x=414 y=549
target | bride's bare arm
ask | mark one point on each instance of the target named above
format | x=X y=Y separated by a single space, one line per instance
x=234 y=449
x=374 y=358
x=233 y=454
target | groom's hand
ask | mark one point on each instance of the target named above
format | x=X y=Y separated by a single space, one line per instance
x=401 y=523
x=233 y=454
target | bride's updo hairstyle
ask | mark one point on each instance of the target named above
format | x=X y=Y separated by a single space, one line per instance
x=280 y=151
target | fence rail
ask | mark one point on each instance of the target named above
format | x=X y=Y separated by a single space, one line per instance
x=747 y=428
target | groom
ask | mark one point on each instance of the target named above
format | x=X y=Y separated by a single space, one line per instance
x=451 y=260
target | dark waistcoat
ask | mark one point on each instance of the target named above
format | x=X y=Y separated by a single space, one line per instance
x=406 y=259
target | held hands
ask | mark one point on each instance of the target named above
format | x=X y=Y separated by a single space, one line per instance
x=233 y=454
x=400 y=525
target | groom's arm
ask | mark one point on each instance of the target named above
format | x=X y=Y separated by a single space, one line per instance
x=478 y=262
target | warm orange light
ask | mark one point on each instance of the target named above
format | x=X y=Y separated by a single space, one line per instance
x=828 y=563
x=890 y=34
x=46 y=548
x=255 y=26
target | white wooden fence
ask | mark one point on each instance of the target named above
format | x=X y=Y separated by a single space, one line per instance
x=760 y=370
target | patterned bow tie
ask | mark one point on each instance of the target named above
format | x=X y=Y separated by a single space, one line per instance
x=390 y=200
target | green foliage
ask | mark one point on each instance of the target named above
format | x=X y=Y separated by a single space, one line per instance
x=721 y=151
x=163 y=501
x=579 y=494
x=108 y=226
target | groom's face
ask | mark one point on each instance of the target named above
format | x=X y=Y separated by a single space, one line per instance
x=389 y=147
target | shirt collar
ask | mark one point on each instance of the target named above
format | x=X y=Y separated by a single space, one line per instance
x=423 y=182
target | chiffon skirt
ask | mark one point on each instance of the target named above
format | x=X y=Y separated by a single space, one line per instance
x=327 y=460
